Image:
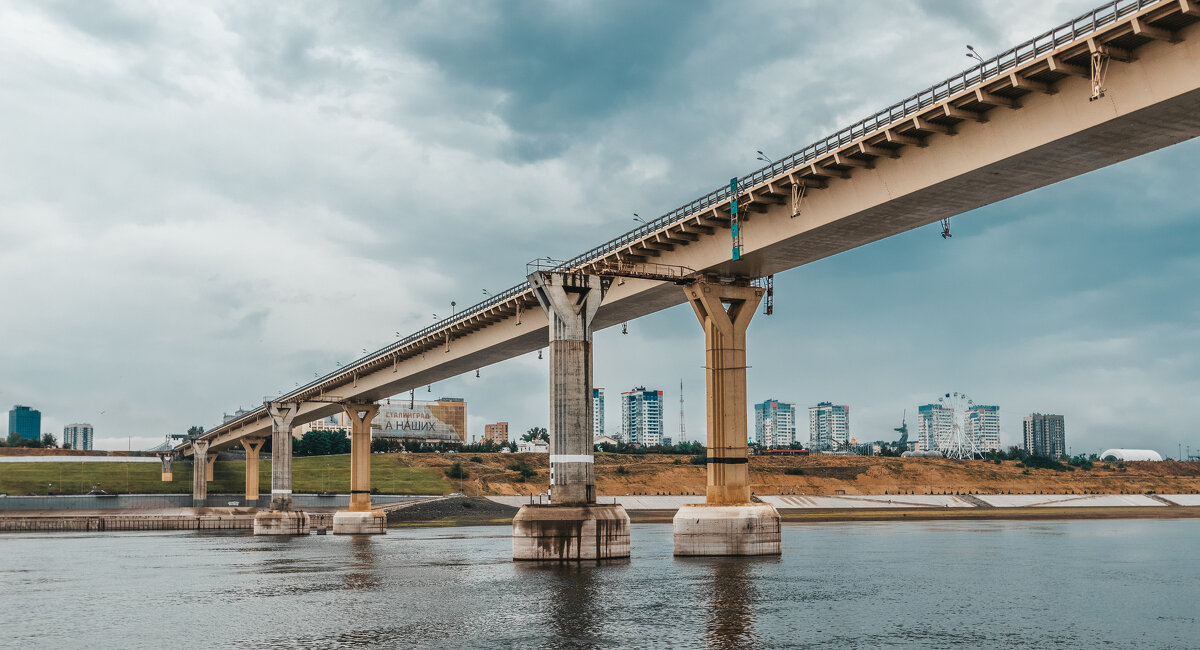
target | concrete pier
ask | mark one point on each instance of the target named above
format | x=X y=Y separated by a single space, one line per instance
x=199 y=473
x=360 y=518
x=252 y=447
x=747 y=529
x=167 y=457
x=281 y=520
x=728 y=523
x=570 y=532
x=572 y=526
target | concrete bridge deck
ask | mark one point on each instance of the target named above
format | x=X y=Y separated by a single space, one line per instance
x=1017 y=122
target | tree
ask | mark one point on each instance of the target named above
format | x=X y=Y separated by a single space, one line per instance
x=49 y=441
x=195 y=431
x=17 y=440
x=321 y=443
x=539 y=433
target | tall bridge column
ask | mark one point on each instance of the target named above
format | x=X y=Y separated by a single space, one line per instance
x=280 y=519
x=167 y=457
x=728 y=523
x=252 y=446
x=573 y=526
x=360 y=518
x=199 y=472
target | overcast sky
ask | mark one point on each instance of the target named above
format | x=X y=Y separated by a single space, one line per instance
x=202 y=204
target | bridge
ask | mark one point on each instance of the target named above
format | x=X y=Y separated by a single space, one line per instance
x=1117 y=82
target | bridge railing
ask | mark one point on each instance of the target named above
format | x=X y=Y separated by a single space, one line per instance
x=970 y=78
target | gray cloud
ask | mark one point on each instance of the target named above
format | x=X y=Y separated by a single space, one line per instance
x=206 y=203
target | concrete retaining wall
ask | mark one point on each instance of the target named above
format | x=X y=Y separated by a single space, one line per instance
x=125 y=522
x=144 y=501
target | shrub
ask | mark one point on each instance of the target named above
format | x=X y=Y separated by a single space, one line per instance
x=524 y=471
x=700 y=459
x=1042 y=462
x=476 y=459
x=456 y=471
x=794 y=471
x=678 y=461
x=622 y=470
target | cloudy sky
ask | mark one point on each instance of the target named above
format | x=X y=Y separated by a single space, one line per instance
x=202 y=204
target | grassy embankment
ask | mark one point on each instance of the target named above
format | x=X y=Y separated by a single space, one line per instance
x=312 y=474
x=493 y=474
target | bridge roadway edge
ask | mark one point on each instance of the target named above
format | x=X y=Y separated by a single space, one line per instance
x=1171 y=115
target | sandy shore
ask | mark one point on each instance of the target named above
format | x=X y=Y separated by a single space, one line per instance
x=477 y=511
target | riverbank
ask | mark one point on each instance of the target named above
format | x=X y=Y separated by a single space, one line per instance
x=620 y=474
x=496 y=511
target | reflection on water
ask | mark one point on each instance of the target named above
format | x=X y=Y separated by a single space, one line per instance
x=362 y=563
x=731 y=598
x=1114 y=583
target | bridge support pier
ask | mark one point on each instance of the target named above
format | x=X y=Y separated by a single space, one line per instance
x=252 y=446
x=210 y=462
x=167 y=458
x=729 y=523
x=199 y=472
x=573 y=526
x=360 y=518
x=280 y=519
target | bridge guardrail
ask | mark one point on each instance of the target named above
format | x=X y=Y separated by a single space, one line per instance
x=972 y=77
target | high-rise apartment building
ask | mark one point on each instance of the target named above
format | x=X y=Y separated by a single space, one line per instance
x=79 y=436
x=25 y=422
x=642 y=416
x=983 y=426
x=828 y=426
x=597 y=412
x=775 y=424
x=496 y=433
x=1045 y=435
x=935 y=427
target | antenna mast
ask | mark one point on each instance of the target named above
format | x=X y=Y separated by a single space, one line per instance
x=681 y=429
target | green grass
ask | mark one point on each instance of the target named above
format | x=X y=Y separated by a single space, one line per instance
x=311 y=474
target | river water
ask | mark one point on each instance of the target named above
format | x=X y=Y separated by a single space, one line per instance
x=1066 y=584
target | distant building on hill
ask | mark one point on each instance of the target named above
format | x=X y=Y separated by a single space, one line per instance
x=79 y=436
x=536 y=446
x=983 y=426
x=935 y=427
x=775 y=424
x=597 y=412
x=25 y=422
x=337 y=422
x=497 y=433
x=828 y=426
x=642 y=416
x=1045 y=435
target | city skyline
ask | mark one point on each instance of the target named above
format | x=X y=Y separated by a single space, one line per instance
x=223 y=278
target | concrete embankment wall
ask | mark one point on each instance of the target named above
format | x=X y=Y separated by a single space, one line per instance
x=98 y=523
x=147 y=501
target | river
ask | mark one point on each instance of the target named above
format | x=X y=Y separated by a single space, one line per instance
x=1062 y=584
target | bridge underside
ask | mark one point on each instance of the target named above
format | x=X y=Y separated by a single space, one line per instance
x=899 y=178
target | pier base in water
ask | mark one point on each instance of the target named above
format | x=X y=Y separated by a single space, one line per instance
x=281 y=522
x=571 y=532
x=371 y=522
x=747 y=529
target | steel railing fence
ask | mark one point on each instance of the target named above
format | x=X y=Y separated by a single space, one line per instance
x=972 y=77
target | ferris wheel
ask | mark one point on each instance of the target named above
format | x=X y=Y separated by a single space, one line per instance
x=953 y=439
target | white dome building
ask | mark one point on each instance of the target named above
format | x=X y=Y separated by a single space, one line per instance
x=1130 y=454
